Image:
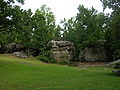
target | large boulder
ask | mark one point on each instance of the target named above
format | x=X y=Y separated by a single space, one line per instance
x=115 y=64
x=93 y=53
x=61 y=50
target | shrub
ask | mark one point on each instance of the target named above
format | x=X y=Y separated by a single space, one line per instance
x=46 y=57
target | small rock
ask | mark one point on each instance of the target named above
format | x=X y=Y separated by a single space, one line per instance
x=20 y=54
x=115 y=64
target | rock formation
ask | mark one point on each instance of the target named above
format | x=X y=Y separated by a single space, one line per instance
x=115 y=64
x=16 y=49
x=94 y=53
x=12 y=47
x=61 y=50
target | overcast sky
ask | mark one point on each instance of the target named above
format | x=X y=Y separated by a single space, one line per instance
x=63 y=8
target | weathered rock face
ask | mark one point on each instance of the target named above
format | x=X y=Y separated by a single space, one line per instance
x=93 y=54
x=62 y=50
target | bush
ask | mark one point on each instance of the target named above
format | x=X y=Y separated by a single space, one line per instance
x=46 y=57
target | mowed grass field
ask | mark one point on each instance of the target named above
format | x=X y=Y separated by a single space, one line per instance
x=21 y=74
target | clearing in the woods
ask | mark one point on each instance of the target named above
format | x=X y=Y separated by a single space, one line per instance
x=29 y=74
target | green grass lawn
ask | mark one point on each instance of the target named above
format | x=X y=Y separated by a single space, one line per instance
x=20 y=74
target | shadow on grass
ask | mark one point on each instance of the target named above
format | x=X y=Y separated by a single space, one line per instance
x=116 y=74
x=111 y=74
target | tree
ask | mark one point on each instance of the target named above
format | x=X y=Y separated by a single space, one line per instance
x=86 y=29
x=43 y=27
x=113 y=33
x=57 y=33
x=7 y=13
x=13 y=1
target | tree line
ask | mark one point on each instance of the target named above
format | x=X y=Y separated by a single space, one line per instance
x=87 y=28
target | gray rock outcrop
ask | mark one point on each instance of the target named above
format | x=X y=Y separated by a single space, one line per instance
x=12 y=47
x=20 y=54
x=61 y=50
x=115 y=64
x=94 y=53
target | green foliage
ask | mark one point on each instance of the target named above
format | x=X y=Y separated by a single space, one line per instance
x=112 y=4
x=13 y=1
x=86 y=29
x=8 y=21
x=43 y=27
x=21 y=26
x=113 y=33
x=35 y=30
x=57 y=33
x=23 y=32
x=46 y=57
